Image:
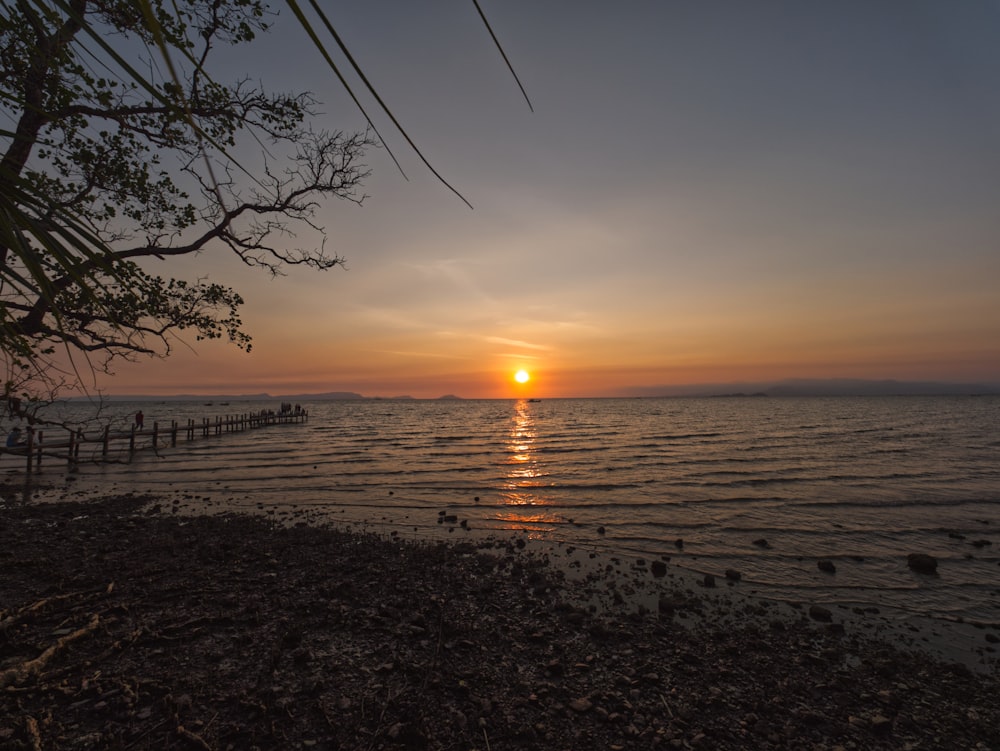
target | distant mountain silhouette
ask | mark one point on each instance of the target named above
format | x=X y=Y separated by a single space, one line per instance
x=325 y=396
x=329 y=395
x=177 y=398
x=821 y=387
x=787 y=387
x=859 y=387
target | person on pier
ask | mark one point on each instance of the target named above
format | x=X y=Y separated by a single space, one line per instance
x=139 y=418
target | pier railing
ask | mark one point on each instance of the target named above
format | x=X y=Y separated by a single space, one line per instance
x=109 y=443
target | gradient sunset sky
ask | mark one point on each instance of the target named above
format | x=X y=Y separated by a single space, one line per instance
x=706 y=192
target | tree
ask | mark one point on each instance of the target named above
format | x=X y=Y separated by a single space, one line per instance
x=106 y=173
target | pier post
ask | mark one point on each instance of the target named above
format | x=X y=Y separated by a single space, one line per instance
x=34 y=446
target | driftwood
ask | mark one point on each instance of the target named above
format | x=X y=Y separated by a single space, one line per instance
x=193 y=738
x=6 y=621
x=32 y=667
x=34 y=737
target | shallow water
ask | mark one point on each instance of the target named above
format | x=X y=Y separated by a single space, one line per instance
x=859 y=481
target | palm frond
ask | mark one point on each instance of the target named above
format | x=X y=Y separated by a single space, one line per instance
x=502 y=53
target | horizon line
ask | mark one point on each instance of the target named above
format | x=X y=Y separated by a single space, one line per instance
x=784 y=387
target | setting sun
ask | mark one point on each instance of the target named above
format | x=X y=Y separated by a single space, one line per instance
x=522 y=376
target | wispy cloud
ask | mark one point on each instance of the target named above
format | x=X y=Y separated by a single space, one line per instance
x=519 y=356
x=421 y=353
x=516 y=343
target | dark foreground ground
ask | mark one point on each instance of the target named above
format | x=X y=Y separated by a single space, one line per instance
x=121 y=629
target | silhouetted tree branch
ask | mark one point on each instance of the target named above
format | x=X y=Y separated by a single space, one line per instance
x=104 y=175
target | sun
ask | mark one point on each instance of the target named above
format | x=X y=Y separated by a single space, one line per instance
x=522 y=376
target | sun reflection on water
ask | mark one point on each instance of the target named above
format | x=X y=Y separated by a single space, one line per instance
x=536 y=525
x=522 y=497
x=523 y=468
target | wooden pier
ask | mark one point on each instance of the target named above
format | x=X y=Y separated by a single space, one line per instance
x=38 y=447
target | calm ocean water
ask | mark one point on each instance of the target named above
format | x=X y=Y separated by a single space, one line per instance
x=859 y=481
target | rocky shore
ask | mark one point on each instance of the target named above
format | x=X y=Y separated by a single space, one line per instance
x=126 y=626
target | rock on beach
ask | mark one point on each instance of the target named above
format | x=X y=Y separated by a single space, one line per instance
x=922 y=563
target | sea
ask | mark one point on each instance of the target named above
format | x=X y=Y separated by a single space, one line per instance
x=765 y=486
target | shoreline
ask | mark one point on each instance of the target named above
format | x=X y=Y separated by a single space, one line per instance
x=157 y=629
x=618 y=583
x=730 y=598
x=623 y=583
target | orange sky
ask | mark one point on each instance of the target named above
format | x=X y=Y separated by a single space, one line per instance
x=699 y=197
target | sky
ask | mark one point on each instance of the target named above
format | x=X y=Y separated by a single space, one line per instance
x=707 y=192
